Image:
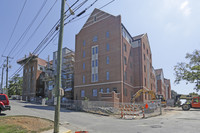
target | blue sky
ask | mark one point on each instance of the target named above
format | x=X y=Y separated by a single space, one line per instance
x=172 y=27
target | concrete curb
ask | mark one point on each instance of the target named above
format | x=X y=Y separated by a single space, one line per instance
x=61 y=130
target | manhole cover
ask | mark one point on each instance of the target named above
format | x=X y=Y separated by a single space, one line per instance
x=156 y=126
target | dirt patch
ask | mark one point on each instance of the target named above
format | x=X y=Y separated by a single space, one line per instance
x=32 y=124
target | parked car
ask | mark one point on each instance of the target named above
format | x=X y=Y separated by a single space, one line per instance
x=4 y=103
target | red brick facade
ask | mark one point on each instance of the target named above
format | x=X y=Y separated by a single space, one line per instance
x=126 y=60
x=32 y=77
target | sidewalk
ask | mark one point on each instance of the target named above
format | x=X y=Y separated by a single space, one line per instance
x=61 y=130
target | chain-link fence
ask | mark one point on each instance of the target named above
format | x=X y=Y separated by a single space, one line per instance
x=154 y=107
x=119 y=110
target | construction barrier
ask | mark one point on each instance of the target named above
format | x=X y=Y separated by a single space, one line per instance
x=81 y=132
x=129 y=110
x=143 y=112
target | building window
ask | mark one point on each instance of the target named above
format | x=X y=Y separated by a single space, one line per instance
x=95 y=39
x=147 y=52
x=107 y=90
x=107 y=75
x=124 y=47
x=30 y=69
x=107 y=47
x=83 y=53
x=94 y=92
x=125 y=60
x=143 y=46
x=144 y=57
x=145 y=82
x=93 y=52
x=83 y=66
x=96 y=63
x=144 y=68
x=33 y=68
x=96 y=50
x=93 y=63
x=107 y=34
x=107 y=60
x=25 y=70
x=96 y=77
x=92 y=77
x=125 y=92
x=101 y=90
x=125 y=75
x=83 y=79
x=95 y=18
x=82 y=93
x=150 y=56
x=130 y=53
x=84 y=43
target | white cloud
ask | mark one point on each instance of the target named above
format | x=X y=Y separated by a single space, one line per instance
x=184 y=7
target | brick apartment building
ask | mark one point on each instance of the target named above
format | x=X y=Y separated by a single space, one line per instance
x=110 y=62
x=67 y=71
x=168 y=88
x=33 y=73
x=142 y=64
x=163 y=85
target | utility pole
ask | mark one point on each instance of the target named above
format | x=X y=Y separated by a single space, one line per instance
x=2 y=79
x=7 y=66
x=58 y=77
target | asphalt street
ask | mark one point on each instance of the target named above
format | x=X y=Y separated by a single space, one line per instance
x=173 y=121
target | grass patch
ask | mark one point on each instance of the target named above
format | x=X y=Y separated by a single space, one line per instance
x=12 y=129
x=24 y=124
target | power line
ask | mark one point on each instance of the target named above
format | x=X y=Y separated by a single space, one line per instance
x=14 y=29
x=90 y=13
x=28 y=28
x=15 y=26
x=82 y=12
x=25 y=32
x=50 y=33
x=25 y=44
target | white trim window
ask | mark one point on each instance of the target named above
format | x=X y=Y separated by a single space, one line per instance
x=83 y=79
x=82 y=93
x=101 y=90
x=107 y=34
x=107 y=75
x=107 y=60
x=94 y=92
x=107 y=90
x=107 y=47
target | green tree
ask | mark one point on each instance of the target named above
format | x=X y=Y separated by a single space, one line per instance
x=190 y=72
x=15 y=85
x=193 y=94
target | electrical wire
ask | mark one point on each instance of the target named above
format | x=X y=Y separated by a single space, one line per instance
x=82 y=12
x=15 y=26
x=25 y=44
x=90 y=13
x=51 y=32
x=14 y=29
x=44 y=40
x=28 y=28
